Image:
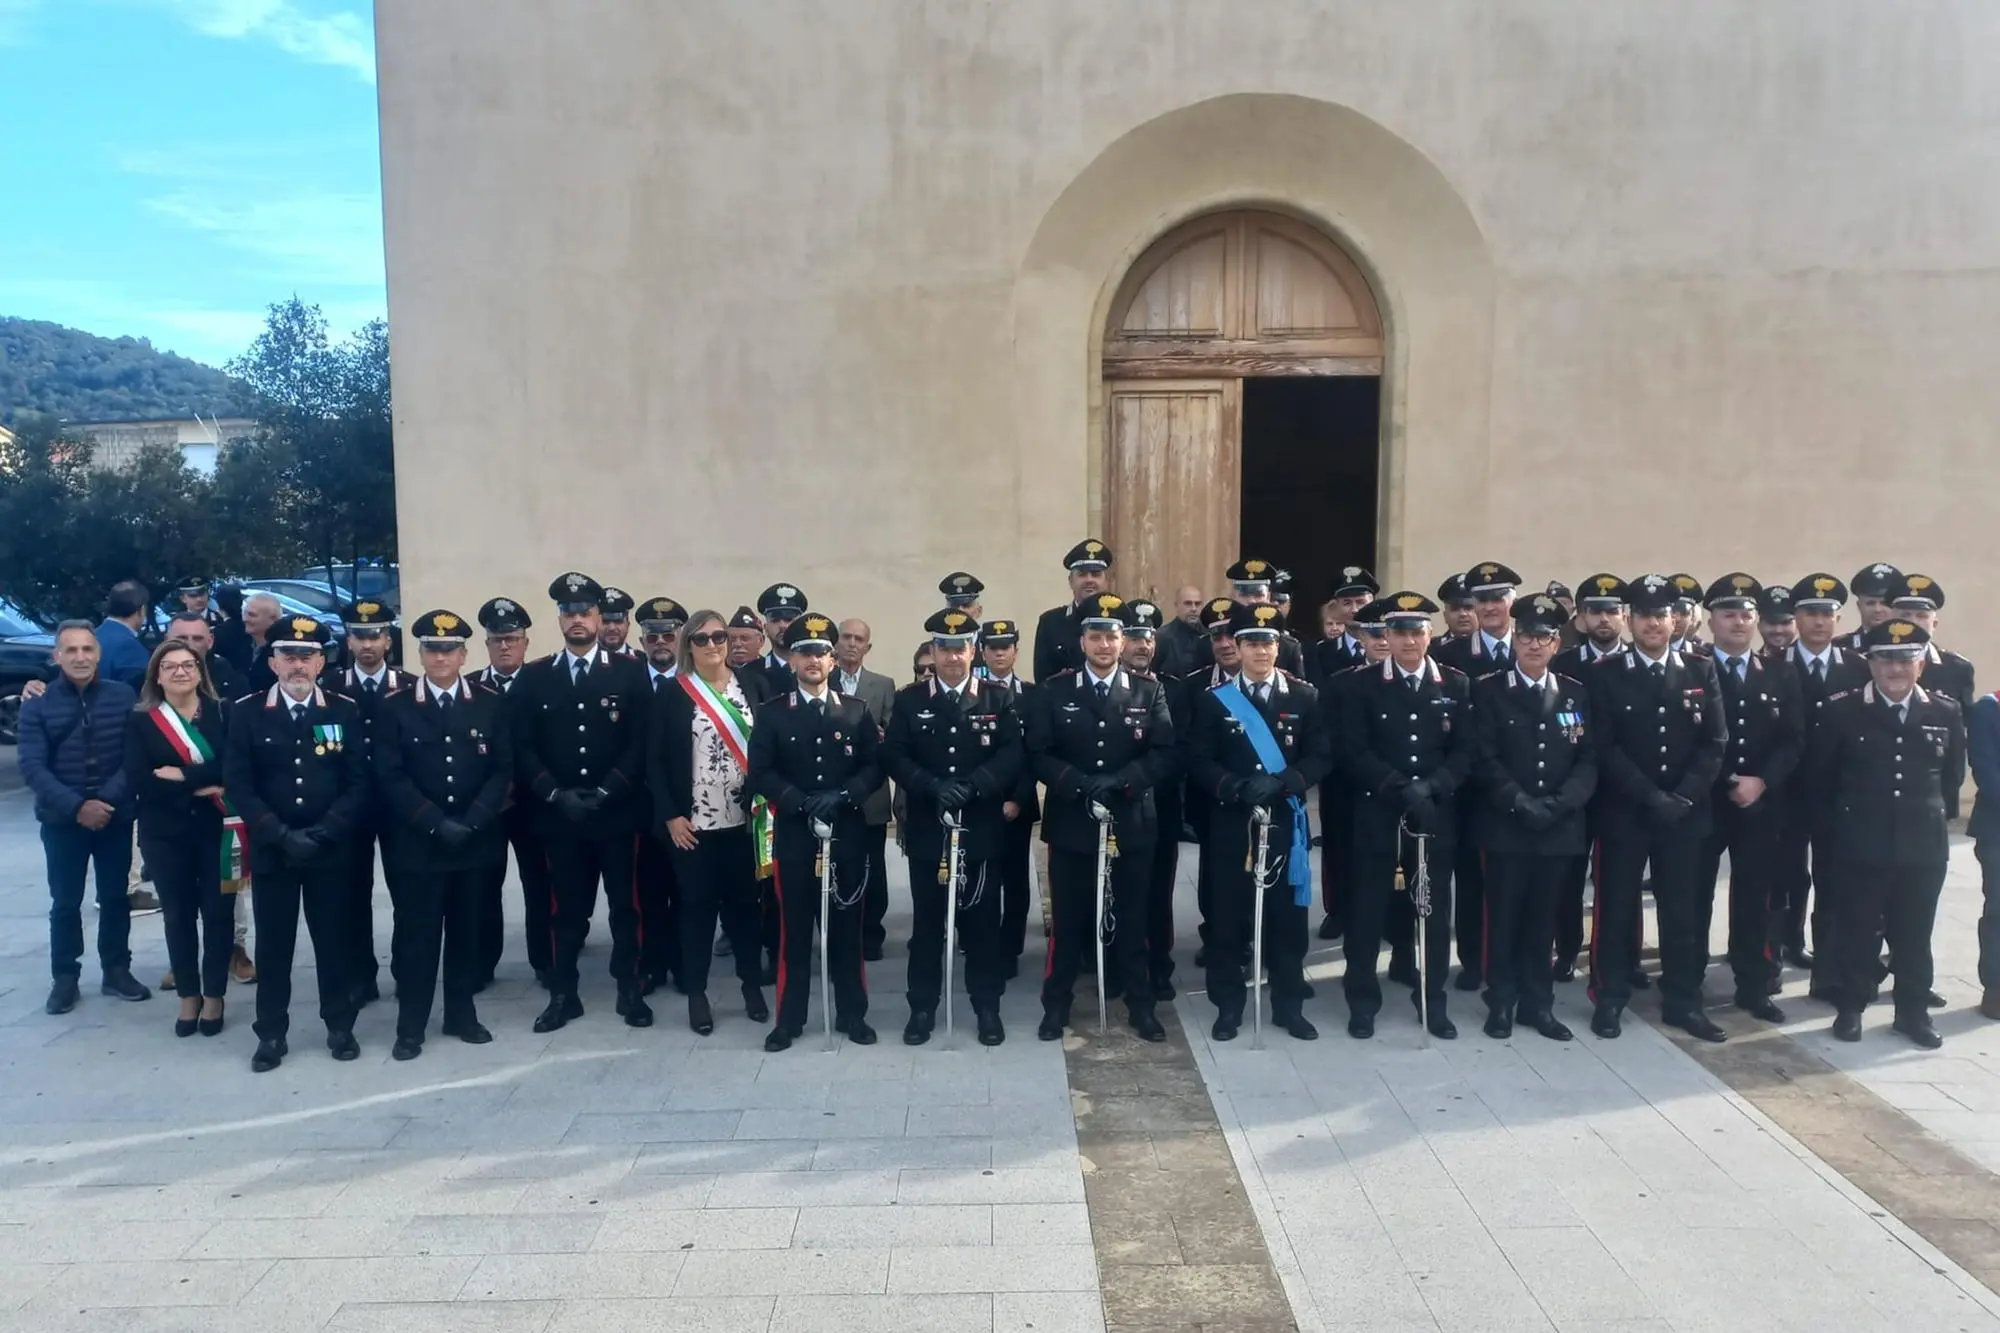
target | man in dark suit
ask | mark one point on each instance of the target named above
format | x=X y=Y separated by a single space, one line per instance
x=579 y=755
x=443 y=760
x=296 y=772
x=1537 y=770
x=1600 y=615
x=777 y=607
x=506 y=623
x=1881 y=762
x=1661 y=743
x=660 y=620
x=1100 y=739
x=999 y=650
x=1056 y=633
x=815 y=756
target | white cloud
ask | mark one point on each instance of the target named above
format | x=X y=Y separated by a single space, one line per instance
x=343 y=38
x=312 y=237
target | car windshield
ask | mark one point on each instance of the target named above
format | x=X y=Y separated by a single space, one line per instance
x=14 y=624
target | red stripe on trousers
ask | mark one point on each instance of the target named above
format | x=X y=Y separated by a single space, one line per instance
x=778 y=888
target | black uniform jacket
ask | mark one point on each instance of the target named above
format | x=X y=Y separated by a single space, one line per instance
x=775 y=671
x=1469 y=655
x=1181 y=694
x=346 y=681
x=1881 y=784
x=796 y=750
x=1332 y=656
x=1532 y=742
x=670 y=747
x=1219 y=755
x=1949 y=674
x=1072 y=736
x=1575 y=662
x=977 y=739
x=228 y=681
x=1767 y=728
x=1390 y=735
x=281 y=776
x=1056 y=643
x=1845 y=670
x=592 y=738
x=1027 y=792
x=434 y=763
x=1655 y=734
x=171 y=810
x=1291 y=654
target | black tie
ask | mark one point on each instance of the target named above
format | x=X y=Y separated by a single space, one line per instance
x=658 y=681
x=1415 y=682
x=1103 y=690
x=1819 y=670
x=1659 y=671
x=1500 y=652
x=369 y=686
x=578 y=665
x=444 y=701
x=818 y=705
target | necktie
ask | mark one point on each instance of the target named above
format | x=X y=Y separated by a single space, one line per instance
x=1103 y=690
x=369 y=687
x=444 y=701
x=1413 y=682
x=577 y=666
x=1500 y=652
x=658 y=681
x=1659 y=671
x=1819 y=669
x=818 y=705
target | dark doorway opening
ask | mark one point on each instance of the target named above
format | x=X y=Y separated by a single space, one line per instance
x=1311 y=460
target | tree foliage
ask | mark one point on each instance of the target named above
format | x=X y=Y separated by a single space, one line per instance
x=77 y=376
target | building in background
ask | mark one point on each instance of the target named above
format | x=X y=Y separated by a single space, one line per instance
x=200 y=439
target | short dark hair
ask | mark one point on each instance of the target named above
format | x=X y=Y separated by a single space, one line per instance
x=126 y=599
x=185 y=617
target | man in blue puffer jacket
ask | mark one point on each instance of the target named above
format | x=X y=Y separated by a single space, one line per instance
x=72 y=755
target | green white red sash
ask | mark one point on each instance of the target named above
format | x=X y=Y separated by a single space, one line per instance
x=733 y=726
x=193 y=748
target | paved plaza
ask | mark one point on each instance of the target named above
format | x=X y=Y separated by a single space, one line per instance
x=603 y=1178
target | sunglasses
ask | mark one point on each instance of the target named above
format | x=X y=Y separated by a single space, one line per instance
x=712 y=638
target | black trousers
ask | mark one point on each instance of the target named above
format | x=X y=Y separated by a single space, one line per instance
x=1988 y=853
x=1569 y=910
x=1017 y=886
x=1336 y=847
x=576 y=864
x=1792 y=883
x=199 y=920
x=1469 y=882
x=1165 y=865
x=1073 y=923
x=1624 y=851
x=1207 y=868
x=1874 y=903
x=659 y=910
x=361 y=965
x=531 y=862
x=1377 y=855
x=1522 y=894
x=798 y=897
x=718 y=881
x=325 y=890
x=978 y=930
x=1751 y=839
x=876 y=901
x=1285 y=934
x=434 y=908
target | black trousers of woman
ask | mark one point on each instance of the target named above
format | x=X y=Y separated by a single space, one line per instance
x=199 y=919
x=718 y=880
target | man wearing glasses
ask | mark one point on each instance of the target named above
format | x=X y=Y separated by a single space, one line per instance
x=506 y=623
x=660 y=620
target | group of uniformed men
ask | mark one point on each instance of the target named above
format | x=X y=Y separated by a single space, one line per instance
x=1468 y=784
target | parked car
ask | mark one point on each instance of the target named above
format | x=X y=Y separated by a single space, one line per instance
x=314 y=593
x=382 y=583
x=24 y=656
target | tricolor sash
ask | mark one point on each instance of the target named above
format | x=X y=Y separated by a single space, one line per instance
x=1298 y=861
x=734 y=727
x=193 y=748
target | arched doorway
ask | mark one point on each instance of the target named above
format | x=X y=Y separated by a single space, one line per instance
x=1242 y=378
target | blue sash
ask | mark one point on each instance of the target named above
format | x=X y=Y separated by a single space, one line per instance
x=1298 y=862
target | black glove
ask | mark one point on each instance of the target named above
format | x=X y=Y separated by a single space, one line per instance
x=955 y=794
x=1423 y=817
x=1104 y=788
x=454 y=834
x=1668 y=807
x=1261 y=789
x=300 y=847
x=823 y=806
x=1537 y=812
x=575 y=804
x=1415 y=794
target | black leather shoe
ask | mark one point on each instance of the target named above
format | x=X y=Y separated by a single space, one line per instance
x=1932 y=1000
x=1052 y=1024
x=1775 y=986
x=1917 y=1027
x=343 y=1045
x=1443 y=1028
x=1760 y=1007
x=1797 y=956
x=1163 y=991
x=1298 y=1025
x=1550 y=1026
x=638 y=1014
x=918 y=1030
x=270 y=1054
x=212 y=1027
x=857 y=1031
x=1499 y=1025
x=991 y=1030
x=1227 y=1025
x=1639 y=980
x=1361 y=1026
x=1330 y=928
x=1989 y=1003
x=62 y=996
x=777 y=1039
x=1145 y=1022
x=701 y=1018
x=120 y=984
x=754 y=1007
x=1469 y=979
x=1847 y=1025
x=1696 y=1024
x=470 y=1031
x=871 y=954
x=562 y=1008
x=1565 y=971
x=405 y=1049
x=1605 y=1022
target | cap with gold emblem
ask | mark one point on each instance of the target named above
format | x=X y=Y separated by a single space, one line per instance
x=1215 y=615
x=1407 y=610
x=951 y=628
x=1455 y=591
x=1733 y=592
x=575 y=593
x=1088 y=554
x=960 y=588
x=1255 y=622
x=615 y=604
x=1895 y=640
x=1651 y=594
x=1252 y=575
x=809 y=632
x=369 y=615
x=1876 y=580
x=503 y=615
x=1560 y=591
x=1106 y=610
x=1539 y=615
x=1687 y=591
x=1915 y=592
x=1368 y=622
x=1490 y=581
x=999 y=634
x=441 y=629
x=1354 y=581
x=1819 y=592
x=661 y=615
x=1774 y=606
x=745 y=618
x=1146 y=618
x=190 y=583
x=302 y=634
x=1601 y=592
x=782 y=601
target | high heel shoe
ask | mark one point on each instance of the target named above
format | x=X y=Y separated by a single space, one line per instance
x=211 y=1026
x=184 y=1027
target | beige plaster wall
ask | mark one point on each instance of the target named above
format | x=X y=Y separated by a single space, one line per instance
x=698 y=296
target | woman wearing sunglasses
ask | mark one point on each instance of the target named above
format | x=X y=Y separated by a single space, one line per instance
x=697 y=760
x=190 y=836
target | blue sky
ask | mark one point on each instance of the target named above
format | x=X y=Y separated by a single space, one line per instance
x=172 y=167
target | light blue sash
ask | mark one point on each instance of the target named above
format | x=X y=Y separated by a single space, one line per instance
x=1298 y=863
